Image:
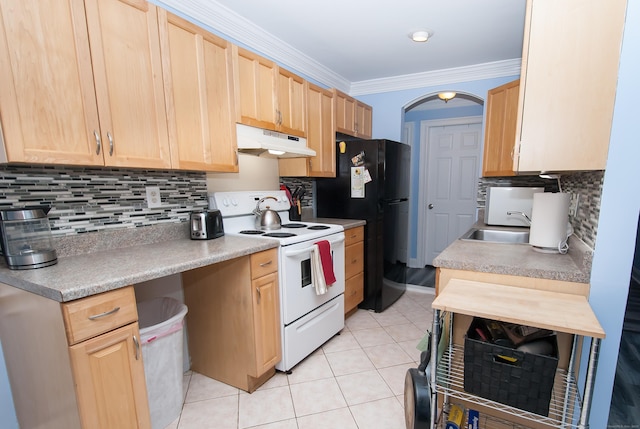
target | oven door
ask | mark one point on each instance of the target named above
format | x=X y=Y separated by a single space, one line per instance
x=297 y=286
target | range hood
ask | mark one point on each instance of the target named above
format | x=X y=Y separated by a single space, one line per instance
x=259 y=142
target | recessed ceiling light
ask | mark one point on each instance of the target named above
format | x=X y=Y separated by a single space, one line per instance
x=420 y=35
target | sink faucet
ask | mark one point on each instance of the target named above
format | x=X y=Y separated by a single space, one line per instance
x=521 y=213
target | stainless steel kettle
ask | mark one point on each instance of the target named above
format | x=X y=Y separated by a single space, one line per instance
x=267 y=218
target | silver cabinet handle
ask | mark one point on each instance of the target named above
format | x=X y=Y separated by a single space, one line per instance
x=98 y=142
x=264 y=264
x=137 y=344
x=110 y=143
x=106 y=313
x=430 y=206
x=259 y=294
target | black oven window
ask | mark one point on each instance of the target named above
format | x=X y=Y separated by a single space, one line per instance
x=305 y=272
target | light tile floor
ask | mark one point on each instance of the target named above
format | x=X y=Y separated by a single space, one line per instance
x=354 y=381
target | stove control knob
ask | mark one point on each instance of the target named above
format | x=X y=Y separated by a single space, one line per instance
x=234 y=201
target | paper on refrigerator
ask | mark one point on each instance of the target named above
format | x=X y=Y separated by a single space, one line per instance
x=357 y=182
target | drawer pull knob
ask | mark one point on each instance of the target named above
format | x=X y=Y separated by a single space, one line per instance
x=106 y=313
x=137 y=344
x=264 y=264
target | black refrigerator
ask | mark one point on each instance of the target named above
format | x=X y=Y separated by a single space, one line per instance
x=372 y=183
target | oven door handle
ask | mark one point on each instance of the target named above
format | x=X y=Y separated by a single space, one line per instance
x=308 y=249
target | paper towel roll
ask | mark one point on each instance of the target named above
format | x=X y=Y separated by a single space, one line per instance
x=549 y=220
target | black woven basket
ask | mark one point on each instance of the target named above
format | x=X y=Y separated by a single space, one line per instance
x=511 y=377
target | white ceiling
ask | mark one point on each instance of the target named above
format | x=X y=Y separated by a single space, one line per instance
x=360 y=46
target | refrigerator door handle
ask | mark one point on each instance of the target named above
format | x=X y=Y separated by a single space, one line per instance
x=394 y=201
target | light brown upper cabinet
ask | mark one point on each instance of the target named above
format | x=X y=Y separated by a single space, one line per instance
x=321 y=135
x=352 y=116
x=267 y=96
x=500 y=130
x=292 y=103
x=82 y=83
x=197 y=68
x=364 y=119
x=568 y=84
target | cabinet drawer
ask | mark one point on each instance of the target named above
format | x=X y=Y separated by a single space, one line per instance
x=353 y=259
x=353 y=292
x=94 y=315
x=353 y=235
x=263 y=263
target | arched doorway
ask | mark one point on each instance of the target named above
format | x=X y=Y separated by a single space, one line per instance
x=446 y=141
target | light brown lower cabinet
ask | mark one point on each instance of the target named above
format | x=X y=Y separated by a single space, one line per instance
x=76 y=364
x=354 y=269
x=110 y=380
x=234 y=319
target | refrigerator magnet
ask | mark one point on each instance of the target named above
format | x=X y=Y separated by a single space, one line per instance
x=357 y=182
x=358 y=159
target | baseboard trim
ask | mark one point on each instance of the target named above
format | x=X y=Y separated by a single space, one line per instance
x=429 y=290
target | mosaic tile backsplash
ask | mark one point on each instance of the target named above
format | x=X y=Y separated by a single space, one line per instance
x=586 y=188
x=94 y=199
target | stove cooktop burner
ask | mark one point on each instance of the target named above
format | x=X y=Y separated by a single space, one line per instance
x=294 y=225
x=316 y=227
x=279 y=234
x=251 y=232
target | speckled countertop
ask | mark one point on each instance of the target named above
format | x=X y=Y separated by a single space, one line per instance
x=518 y=259
x=98 y=262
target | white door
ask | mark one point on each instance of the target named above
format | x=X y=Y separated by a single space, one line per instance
x=451 y=152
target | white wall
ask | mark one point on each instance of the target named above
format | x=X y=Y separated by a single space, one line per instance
x=256 y=174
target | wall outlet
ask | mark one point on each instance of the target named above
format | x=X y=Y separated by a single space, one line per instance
x=153 y=197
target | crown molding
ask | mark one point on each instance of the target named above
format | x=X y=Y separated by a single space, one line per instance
x=438 y=77
x=228 y=24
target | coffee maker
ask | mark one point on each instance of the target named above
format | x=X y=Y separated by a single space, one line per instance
x=26 y=238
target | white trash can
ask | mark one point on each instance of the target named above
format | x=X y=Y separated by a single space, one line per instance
x=161 y=321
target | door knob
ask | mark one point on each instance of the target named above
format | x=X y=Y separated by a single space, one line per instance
x=430 y=206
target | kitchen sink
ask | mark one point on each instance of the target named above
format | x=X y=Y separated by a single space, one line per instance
x=497 y=236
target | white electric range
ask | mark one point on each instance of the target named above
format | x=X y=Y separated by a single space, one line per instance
x=308 y=320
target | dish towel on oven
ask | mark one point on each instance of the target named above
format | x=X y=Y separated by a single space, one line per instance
x=322 y=266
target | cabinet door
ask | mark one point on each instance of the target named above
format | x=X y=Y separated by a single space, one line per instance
x=110 y=383
x=125 y=52
x=292 y=103
x=353 y=292
x=345 y=113
x=47 y=99
x=363 y=120
x=320 y=137
x=354 y=259
x=199 y=95
x=568 y=84
x=266 y=321
x=500 y=130
x=255 y=88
